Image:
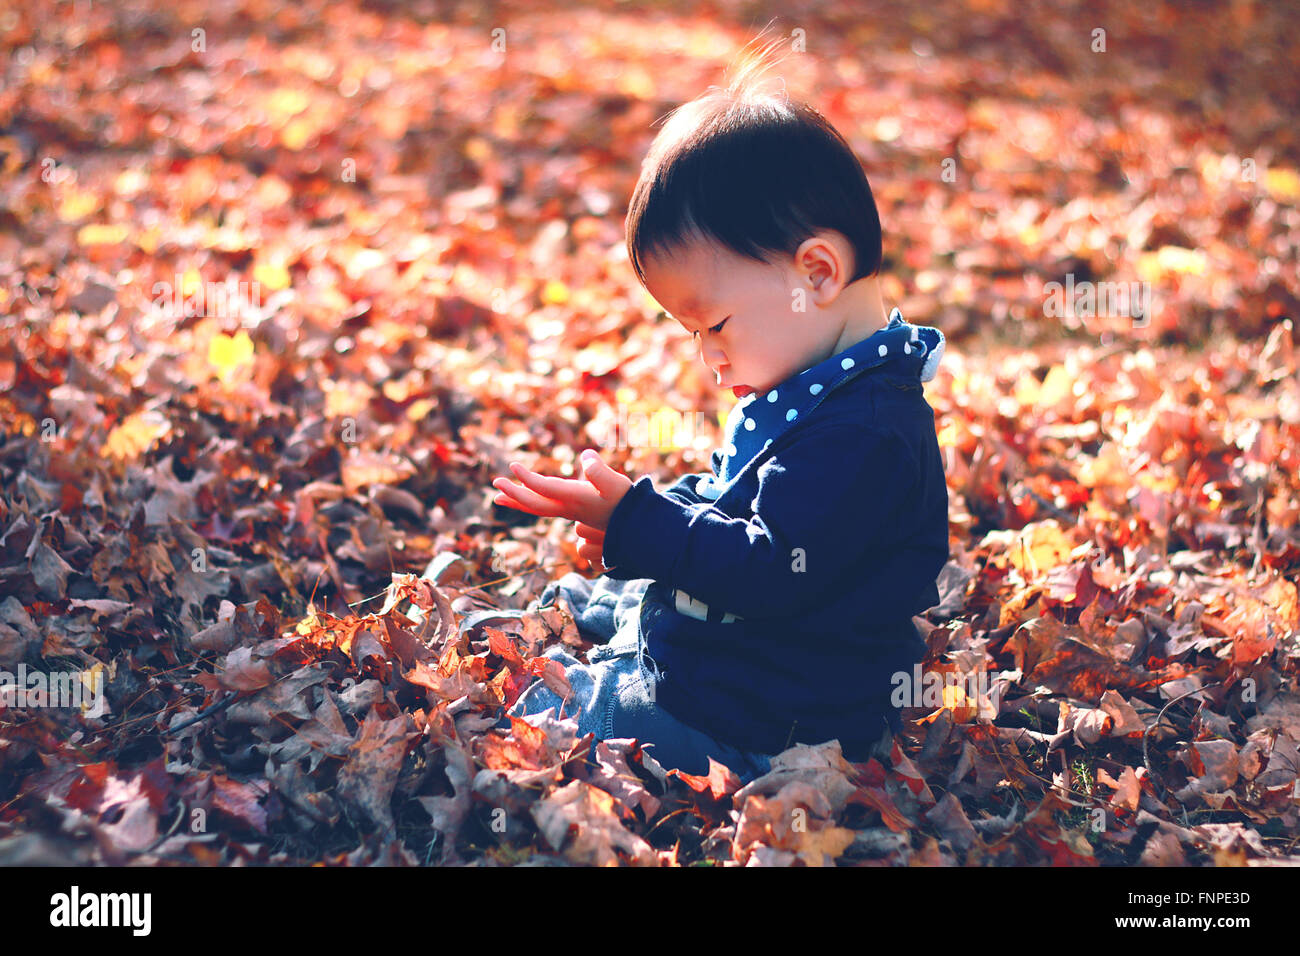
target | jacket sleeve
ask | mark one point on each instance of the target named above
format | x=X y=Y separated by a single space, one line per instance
x=824 y=501
x=683 y=489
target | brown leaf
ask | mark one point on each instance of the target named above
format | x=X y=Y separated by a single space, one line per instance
x=50 y=572
x=1088 y=724
x=952 y=822
x=821 y=766
x=240 y=800
x=1125 y=718
x=289 y=696
x=583 y=821
x=1215 y=762
x=552 y=674
x=613 y=775
x=367 y=779
x=448 y=813
x=241 y=671
x=794 y=820
x=1128 y=790
x=226 y=635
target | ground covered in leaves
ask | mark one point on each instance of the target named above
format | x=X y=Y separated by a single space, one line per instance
x=217 y=499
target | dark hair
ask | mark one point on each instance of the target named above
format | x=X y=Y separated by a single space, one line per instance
x=753 y=171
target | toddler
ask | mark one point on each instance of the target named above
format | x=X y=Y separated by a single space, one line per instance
x=766 y=602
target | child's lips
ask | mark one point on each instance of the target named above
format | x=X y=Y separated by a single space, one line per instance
x=737 y=390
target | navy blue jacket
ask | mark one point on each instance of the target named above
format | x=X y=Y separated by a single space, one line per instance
x=786 y=579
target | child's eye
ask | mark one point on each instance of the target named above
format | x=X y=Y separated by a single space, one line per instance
x=715 y=330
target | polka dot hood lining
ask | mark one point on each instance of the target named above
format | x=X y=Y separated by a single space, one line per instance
x=760 y=417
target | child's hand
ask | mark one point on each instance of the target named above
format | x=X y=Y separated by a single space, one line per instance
x=592 y=546
x=589 y=500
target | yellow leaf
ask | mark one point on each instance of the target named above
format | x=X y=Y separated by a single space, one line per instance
x=362 y=260
x=93 y=681
x=1178 y=259
x=130 y=183
x=420 y=409
x=1283 y=184
x=228 y=352
x=284 y=103
x=1056 y=386
x=347 y=398
x=555 y=292
x=271 y=275
x=135 y=434
x=147 y=240
x=298 y=133
x=955 y=699
x=78 y=204
x=1039 y=547
x=669 y=428
x=191 y=282
x=99 y=234
x=1152 y=266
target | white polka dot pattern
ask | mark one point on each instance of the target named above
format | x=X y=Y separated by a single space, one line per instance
x=753 y=425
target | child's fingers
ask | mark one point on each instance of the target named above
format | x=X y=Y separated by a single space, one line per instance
x=505 y=495
x=530 y=501
x=593 y=554
x=506 y=501
x=558 y=489
x=590 y=533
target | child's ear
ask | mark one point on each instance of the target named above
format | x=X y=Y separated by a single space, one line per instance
x=824 y=260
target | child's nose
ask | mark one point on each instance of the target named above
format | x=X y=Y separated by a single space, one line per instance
x=711 y=354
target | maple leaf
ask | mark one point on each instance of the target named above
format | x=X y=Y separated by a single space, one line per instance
x=719 y=781
x=228 y=353
x=448 y=814
x=1128 y=790
x=793 y=820
x=582 y=820
x=368 y=777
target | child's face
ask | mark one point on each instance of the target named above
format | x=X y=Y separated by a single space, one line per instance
x=742 y=312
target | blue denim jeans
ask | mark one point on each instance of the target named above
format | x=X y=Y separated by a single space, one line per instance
x=614 y=693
